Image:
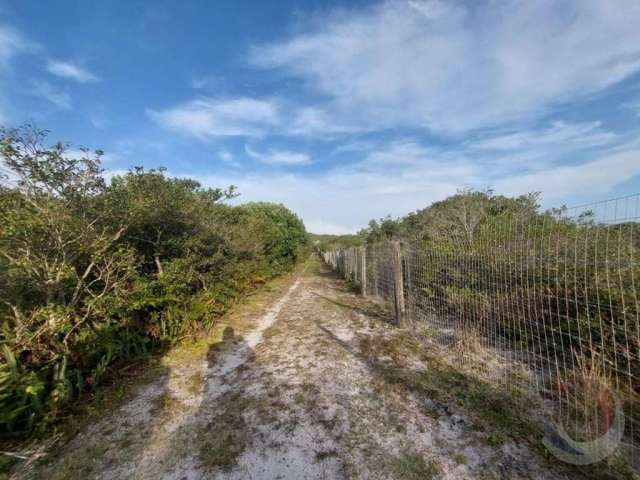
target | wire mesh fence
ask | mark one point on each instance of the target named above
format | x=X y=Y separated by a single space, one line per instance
x=550 y=300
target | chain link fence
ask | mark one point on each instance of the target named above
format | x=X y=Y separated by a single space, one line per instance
x=548 y=302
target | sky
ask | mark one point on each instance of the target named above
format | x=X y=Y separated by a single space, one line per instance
x=342 y=110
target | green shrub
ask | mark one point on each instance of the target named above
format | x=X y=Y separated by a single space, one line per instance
x=93 y=275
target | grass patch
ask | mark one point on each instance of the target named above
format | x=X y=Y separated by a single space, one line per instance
x=164 y=404
x=223 y=440
x=195 y=383
x=226 y=437
x=400 y=348
x=223 y=448
x=490 y=408
x=503 y=415
x=460 y=458
x=413 y=466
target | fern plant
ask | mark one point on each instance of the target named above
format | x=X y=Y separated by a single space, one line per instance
x=21 y=395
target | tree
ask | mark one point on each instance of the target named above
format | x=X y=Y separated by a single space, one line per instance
x=60 y=256
x=459 y=218
x=162 y=212
x=384 y=229
x=273 y=231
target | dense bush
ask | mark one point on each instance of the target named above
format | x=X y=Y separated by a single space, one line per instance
x=92 y=274
x=326 y=242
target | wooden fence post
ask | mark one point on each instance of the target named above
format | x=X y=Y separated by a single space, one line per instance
x=363 y=270
x=398 y=284
x=376 y=272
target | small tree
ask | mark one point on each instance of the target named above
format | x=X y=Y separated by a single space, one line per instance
x=163 y=214
x=60 y=254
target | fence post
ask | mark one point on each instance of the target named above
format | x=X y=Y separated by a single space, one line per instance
x=363 y=271
x=376 y=271
x=398 y=284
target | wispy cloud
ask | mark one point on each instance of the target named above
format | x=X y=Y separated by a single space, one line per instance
x=227 y=158
x=242 y=116
x=454 y=67
x=582 y=135
x=634 y=106
x=12 y=43
x=341 y=200
x=205 y=82
x=316 y=122
x=71 y=71
x=279 y=157
x=46 y=91
x=208 y=117
x=597 y=176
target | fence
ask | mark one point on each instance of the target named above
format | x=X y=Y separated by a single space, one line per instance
x=551 y=298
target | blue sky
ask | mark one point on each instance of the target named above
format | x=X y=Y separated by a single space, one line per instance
x=344 y=111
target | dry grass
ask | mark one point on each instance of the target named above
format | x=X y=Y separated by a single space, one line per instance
x=588 y=398
x=413 y=466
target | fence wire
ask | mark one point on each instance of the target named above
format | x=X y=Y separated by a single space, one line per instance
x=547 y=301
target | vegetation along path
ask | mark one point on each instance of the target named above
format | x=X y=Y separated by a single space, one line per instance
x=306 y=381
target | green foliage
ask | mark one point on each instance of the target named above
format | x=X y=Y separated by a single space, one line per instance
x=94 y=274
x=20 y=393
x=384 y=229
x=281 y=233
x=324 y=243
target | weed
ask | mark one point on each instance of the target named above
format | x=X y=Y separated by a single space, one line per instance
x=413 y=466
x=223 y=448
x=195 y=382
x=225 y=438
x=460 y=458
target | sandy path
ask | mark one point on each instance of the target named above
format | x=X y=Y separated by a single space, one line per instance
x=319 y=386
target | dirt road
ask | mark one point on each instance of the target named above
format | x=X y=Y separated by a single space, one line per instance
x=312 y=382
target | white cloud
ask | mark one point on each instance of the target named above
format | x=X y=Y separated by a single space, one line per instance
x=313 y=121
x=322 y=226
x=12 y=43
x=559 y=134
x=279 y=157
x=71 y=71
x=206 y=82
x=226 y=156
x=398 y=154
x=455 y=67
x=355 y=146
x=99 y=120
x=343 y=199
x=337 y=202
x=635 y=106
x=109 y=174
x=48 y=92
x=596 y=177
x=4 y=118
x=242 y=116
x=208 y=117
